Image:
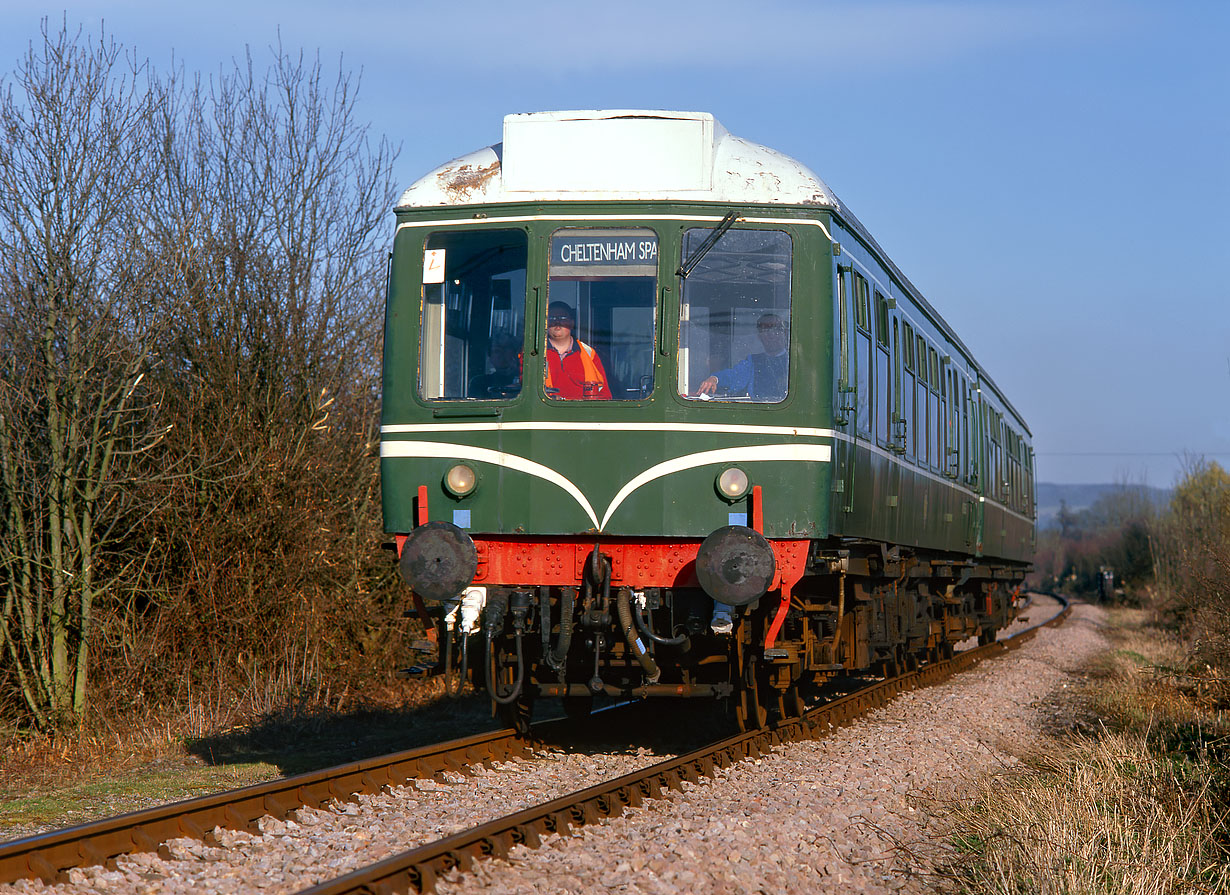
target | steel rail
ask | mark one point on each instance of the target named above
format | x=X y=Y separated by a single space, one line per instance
x=48 y=855
x=418 y=869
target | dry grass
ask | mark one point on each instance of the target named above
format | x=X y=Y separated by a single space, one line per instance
x=124 y=761
x=52 y=781
x=1140 y=805
x=1108 y=815
x=1147 y=682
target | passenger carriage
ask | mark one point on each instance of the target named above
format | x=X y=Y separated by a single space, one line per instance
x=858 y=494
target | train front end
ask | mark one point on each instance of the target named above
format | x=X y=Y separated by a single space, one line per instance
x=606 y=434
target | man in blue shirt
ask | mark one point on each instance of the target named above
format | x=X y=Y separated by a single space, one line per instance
x=761 y=376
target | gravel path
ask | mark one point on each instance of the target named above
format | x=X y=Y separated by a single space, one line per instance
x=834 y=815
x=844 y=814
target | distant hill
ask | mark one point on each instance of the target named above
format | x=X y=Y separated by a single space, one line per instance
x=1081 y=497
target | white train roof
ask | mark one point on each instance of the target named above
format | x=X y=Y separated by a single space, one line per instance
x=619 y=154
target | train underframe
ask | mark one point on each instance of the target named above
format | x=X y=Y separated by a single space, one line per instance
x=571 y=620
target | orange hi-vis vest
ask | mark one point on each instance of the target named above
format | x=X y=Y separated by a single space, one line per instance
x=592 y=373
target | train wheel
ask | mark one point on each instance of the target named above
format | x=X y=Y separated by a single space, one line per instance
x=887 y=668
x=517 y=714
x=987 y=635
x=750 y=711
x=790 y=703
x=754 y=698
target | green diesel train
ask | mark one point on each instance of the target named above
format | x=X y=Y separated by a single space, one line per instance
x=661 y=418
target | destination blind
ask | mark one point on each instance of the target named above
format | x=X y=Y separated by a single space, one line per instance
x=587 y=253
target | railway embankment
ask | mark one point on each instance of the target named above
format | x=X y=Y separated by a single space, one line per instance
x=315 y=844
x=943 y=788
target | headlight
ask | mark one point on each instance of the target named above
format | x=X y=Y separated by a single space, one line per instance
x=460 y=480
x=732 y=483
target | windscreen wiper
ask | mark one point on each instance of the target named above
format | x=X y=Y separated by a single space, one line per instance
x=710 y=241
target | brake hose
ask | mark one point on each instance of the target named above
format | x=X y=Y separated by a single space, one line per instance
x=520 y=679
x=623 y=607
x=643 y=626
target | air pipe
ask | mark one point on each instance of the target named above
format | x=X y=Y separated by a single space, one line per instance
x=557 y=655
x=493 y=623
x=623 y=600
x=643 y=626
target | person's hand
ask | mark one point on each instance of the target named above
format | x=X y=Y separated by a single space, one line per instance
x=708 y=387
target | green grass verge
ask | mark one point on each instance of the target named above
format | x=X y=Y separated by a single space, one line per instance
x=60 y=805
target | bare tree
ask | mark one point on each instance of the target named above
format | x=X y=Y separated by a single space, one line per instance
x=1191 y=542
x=190 y=285
x=273 y=228
x=76 y=164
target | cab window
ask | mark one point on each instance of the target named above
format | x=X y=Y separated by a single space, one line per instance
x=600 y=314
x=734 y=317
x=473 y=315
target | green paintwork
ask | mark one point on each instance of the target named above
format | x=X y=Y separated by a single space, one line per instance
x=892 y=500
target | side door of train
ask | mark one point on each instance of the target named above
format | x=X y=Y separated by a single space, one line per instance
x=887 y=478
x=967 y=457
x=845 y=403
x=978 y=470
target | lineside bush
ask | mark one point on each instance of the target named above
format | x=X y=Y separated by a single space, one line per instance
x=1192 y=549
x=191 y=281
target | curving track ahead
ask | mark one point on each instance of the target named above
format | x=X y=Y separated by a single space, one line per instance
x=50 y=855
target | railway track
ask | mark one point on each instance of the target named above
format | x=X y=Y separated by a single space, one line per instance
x=49 y=856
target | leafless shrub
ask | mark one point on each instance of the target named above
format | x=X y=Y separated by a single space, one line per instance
x=77 y=410
x=271 y=378
x=1192 y=547
x=191 y=286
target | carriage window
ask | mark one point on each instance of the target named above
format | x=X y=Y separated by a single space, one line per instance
x=862 y=355
x=881 y=320
x=600 y=315
x=934 y=412
x=862 y=305
x=473 y=315
x=734 y=318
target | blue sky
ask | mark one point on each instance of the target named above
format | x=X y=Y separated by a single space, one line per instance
x=1054 y=176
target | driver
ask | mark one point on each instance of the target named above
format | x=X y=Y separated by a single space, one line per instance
x=504 y=380
x=574 y=370
x=761 y=376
